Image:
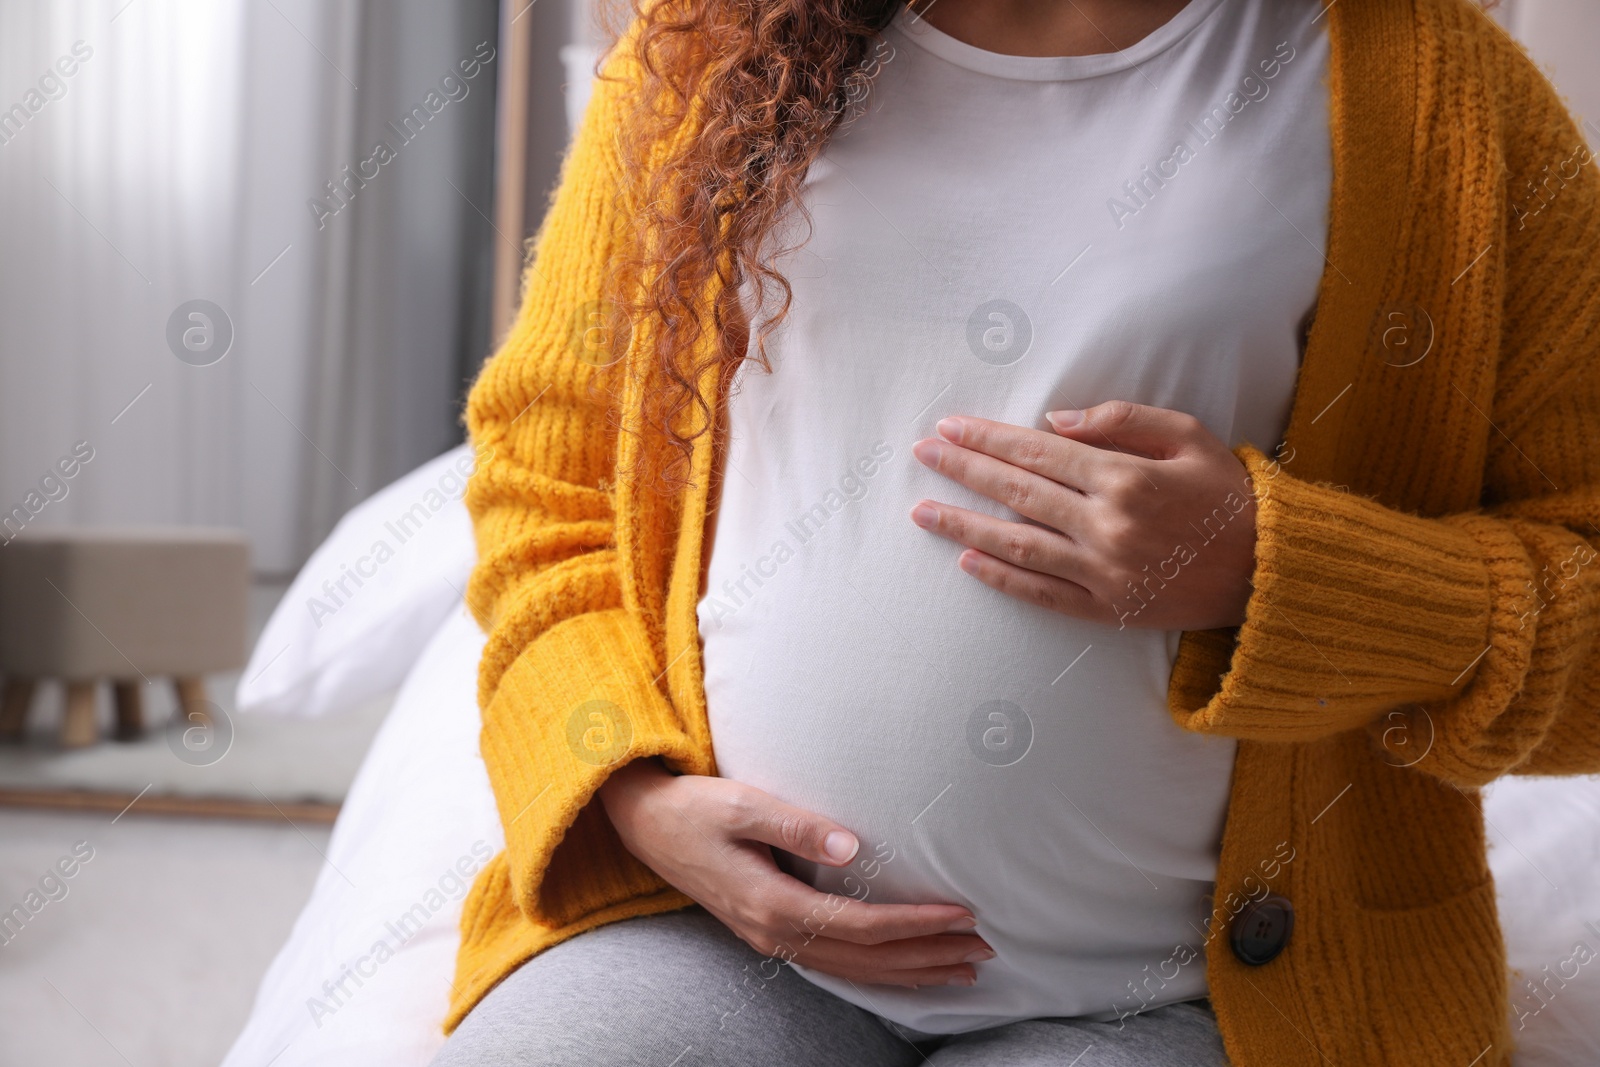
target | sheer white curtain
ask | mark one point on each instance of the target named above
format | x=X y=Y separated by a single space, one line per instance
x=120 y=193
x=180 y=160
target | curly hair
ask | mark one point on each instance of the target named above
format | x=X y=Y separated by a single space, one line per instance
x=766 y=84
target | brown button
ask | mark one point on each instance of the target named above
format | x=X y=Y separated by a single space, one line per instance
x=1261 y=930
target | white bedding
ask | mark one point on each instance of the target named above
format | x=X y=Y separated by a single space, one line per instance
x=419 y=806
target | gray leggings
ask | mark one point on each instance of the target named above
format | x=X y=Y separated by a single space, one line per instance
x=680 y=990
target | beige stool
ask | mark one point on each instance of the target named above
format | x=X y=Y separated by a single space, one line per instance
x=121 y=605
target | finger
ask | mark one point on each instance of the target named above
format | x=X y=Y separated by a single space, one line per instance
x=1122 y=426
x=871 y=962
x=1047 y=591
x=1034 y=548
x=1049 y=455
x=792 y=903
x=759 y=816
x=1038 y=497
x=822 y=954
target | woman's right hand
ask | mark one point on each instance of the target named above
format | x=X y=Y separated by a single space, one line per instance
x=712 y=839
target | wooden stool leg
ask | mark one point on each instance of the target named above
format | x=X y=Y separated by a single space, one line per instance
x=14 y=710
x=192 y=703
x=78 y=728
x=129 y=700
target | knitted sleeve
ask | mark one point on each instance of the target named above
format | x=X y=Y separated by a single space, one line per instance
x=567 y=683
x=1471 y=637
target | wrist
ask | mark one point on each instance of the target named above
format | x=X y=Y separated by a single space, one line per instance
x=627 y=783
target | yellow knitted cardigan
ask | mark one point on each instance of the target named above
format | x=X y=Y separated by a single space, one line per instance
x=1423 y=616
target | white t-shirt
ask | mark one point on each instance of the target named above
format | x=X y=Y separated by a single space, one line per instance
x=1003 y=236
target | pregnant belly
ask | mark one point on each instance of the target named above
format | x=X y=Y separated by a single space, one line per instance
x=986 y=752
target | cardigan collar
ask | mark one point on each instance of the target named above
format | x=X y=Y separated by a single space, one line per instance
x=1372 y=109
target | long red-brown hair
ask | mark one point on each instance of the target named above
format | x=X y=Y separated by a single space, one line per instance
x=767 y=82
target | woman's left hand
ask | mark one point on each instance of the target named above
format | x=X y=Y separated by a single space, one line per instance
x=1140 y=515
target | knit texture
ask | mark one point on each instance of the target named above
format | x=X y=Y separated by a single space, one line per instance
x=1424 y=610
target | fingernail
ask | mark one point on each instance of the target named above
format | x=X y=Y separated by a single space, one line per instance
x=840 y=846
x=968 y=562
x=966 y=922
x=1066 y=418
x=979 y=956
x=951 y=429
x=924 y=516
x=960 y=979
x=927 y=452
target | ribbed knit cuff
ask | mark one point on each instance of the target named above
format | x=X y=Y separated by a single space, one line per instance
x=1356 y=608
x=579 y=702
x=1508 y=710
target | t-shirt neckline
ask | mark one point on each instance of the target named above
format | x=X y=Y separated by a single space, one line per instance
x=908 y=27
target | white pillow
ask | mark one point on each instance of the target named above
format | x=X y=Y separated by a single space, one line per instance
x=369 y=598
x=419 y=822
x=1544 y=847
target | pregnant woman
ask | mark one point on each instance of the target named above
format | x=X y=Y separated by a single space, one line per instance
x=1013 y=533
